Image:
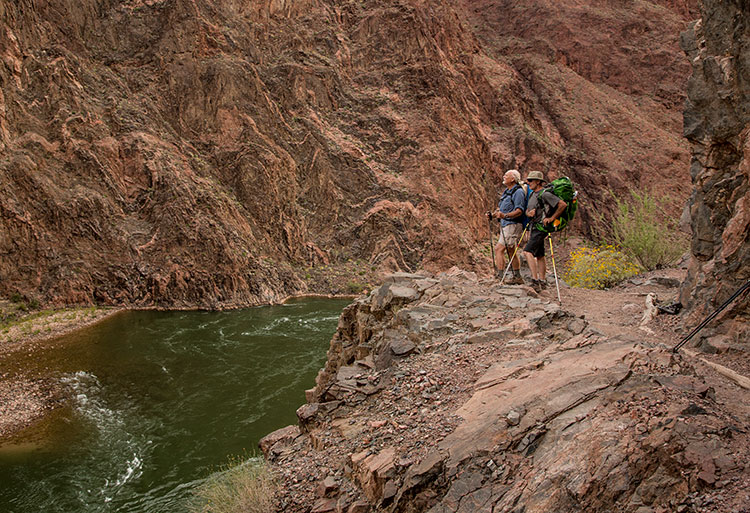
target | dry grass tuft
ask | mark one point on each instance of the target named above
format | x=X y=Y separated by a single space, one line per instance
x=246 y=487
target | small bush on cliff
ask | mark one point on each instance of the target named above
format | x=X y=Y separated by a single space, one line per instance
x=598 y=268
x=639 y=232
x=246 y=487
x=354 y=287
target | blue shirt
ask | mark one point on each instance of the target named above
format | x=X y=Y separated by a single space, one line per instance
x=511 y=200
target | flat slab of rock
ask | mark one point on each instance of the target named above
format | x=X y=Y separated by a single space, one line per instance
x=389 y=293
x=402 y=347
x=496 y=335
x=544 y=388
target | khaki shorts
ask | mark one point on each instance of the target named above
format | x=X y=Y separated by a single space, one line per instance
x=511 y=234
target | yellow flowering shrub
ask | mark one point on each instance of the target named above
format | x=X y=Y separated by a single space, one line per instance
x=598 y=268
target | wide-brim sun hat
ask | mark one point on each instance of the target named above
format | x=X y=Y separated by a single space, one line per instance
x=536 y=175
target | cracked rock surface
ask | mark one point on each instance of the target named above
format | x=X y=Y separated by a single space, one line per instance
x=446 y=394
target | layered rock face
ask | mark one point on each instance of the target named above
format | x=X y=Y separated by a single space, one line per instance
x=593 y=72
x=448 y=394
x=717 y=124
x=179 y=153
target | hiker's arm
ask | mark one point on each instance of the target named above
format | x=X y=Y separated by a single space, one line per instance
x=559 y=210
x=519 y=204
x=513 y=215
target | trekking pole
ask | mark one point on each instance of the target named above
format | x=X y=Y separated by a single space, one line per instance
x=708 y=319
x=552 y=252
x=518 y=245
x=492 y=243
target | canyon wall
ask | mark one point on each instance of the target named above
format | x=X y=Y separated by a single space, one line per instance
x=180 y=154
x=717 y=124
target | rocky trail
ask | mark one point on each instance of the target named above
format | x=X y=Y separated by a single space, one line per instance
x=449 y=393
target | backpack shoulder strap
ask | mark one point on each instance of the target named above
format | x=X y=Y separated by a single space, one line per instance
x=528 y=192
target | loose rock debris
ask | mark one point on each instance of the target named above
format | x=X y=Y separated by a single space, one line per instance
x=451 y=394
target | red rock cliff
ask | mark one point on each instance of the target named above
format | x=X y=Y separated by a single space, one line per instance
x=184 y=153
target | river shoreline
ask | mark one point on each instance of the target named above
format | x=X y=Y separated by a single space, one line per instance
x=24 y=401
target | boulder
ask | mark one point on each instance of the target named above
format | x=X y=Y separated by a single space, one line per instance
x=402 y=347
x=522 y=327
x=359 y=507
x=389 y=294
x=283 y=435
x=307 y=414
x=715 y=344
x=327 y=488
x=665 y=281
x=324 y=506
x=373 y=470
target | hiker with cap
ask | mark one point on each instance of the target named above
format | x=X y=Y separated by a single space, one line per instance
x=510 y=213
x=543 y=208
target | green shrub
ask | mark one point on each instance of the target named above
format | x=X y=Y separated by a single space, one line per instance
x=598 y=268
x=355 y=287
x=638 y=231
x=247 y=487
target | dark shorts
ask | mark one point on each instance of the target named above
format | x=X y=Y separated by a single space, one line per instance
x=535 y=246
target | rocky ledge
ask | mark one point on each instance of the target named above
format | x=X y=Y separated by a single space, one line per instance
x=452 y=394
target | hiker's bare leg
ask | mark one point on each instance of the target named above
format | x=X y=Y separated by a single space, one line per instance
x=516 y=262
x=532 y=264
x=542 y=268
x=500 y=256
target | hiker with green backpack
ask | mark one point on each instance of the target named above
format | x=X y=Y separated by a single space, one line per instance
x=545 y=209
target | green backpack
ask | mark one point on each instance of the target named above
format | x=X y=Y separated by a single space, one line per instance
x=564 y=189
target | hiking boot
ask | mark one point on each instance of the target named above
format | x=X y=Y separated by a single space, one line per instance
x=514 y=279
x=536 y=285
x=543 y=284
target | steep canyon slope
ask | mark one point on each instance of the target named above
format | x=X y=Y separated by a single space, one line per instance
x=205 y=153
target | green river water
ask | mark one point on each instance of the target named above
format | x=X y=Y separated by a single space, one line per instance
x=157 y=401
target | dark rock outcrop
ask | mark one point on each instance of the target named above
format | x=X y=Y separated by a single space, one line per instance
x=717 y=124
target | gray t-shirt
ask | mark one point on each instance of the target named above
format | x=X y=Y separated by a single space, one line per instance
x=548 y=201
